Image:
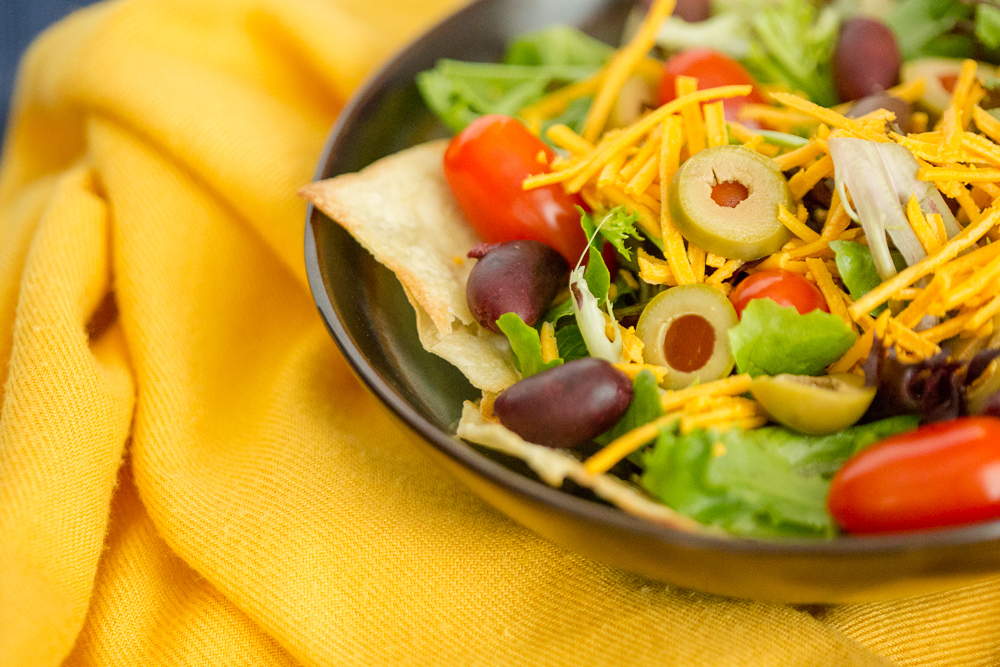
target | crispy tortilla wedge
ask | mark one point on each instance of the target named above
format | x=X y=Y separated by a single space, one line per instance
x=401 y=210
x=555 y=466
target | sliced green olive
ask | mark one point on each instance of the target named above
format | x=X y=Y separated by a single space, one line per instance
x=984 y=387
x=635 y=95
x=685 y=329
x=940 y=76
x=725 y=200
x=988 y=383
x=813 y=405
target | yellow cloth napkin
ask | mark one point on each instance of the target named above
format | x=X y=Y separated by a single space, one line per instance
x=189 y=475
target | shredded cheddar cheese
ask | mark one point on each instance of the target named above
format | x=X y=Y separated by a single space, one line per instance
x=715 y=125
x=954 y=291
x=694 y=126
x=796 y=226
x=656 y=271
x=712 y=405
x=730 y=386
x=632 y=441
x=801 y=156
x=905 y=278
x=804 y=181
x=828 y=116
x=622 y=65
x=577 y=172
x=632 y=369
x=833 y=295
x=550 y=349
x=926 y=234
x=859 y=352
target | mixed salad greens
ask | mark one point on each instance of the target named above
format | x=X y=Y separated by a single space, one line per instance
x=752 y=288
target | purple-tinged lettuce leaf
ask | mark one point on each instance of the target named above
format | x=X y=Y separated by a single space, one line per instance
x=935 y=388
x=979 y=364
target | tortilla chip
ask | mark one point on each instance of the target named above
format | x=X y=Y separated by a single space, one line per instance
x=401 y=210
x=554 y=466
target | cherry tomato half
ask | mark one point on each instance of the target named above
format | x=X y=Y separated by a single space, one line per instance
x=785 y=287
x=712 y=69
x=486 y=164
x=942 y=474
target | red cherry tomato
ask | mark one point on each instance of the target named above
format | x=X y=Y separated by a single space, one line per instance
x=712 y=69
x=942 y=474
x=785 y=287
x=485 y=165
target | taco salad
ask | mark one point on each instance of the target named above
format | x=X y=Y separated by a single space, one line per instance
x=739 y=275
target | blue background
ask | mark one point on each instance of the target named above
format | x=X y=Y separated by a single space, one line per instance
x=20 y=21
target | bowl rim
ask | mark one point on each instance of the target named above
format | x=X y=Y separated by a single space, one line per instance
x=588 y=510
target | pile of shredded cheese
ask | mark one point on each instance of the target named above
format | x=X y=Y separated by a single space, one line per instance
x=632 y=166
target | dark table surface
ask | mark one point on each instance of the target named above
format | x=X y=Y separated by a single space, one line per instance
x=20 y=21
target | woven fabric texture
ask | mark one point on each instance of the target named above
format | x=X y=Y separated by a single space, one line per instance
x=190 y=475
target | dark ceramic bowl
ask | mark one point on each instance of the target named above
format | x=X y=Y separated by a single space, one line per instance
x=372 y=322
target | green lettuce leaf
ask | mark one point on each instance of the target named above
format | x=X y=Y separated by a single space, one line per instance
x=857 y=269
x=934 y=28
x=570 y=342
x=614 y=226
x=785 y=42
x=988 y=25
x=825 y=454
x=560 y=310
x=558 y=45
x=526 y=345
x=731 y=481
x=644 y=408
x=772 y=339
x=460 y=92
x=918 y=23
x=763 y=482
x=794 y=46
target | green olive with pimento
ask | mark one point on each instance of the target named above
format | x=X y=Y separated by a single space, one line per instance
x=725 y=200
x=685 y=329
x=813 y=405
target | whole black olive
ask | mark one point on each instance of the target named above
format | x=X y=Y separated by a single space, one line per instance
x=520 y=277
x=901 y=108
x=866 y=59
x=567 y=405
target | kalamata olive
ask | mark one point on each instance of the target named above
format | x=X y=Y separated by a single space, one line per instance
x=866 y=59
x=514 y=277
x=901 y=108
x=691 y=11
x=567 y=405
